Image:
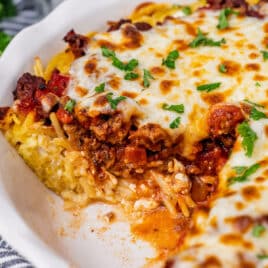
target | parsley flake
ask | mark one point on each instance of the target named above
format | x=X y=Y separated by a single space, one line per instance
x=258 y=84
x=171 y=58
x=114 y=102
x=223 y=18
x=174 y=108
x=257 y=115
x=175 y=123
x=262 y=256
x=243 y=173
x=258 y=230
x=131 y=76
x=253 y=103
x=186 y=10
x=202 y=40
x=131 y=65
x=146 y=78
x=69 y=106
x=100 y=88
x=249 y=137
x=208 y=87
x=222 y=68
x=264 y=55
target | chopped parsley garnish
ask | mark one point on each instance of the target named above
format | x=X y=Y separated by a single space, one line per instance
x=256 y=114
x=262 y=256
x=128 y=67
x=258 y=84
x=223 y=18
x=253 y=103
x=69 y=106
x=202 y=40
x=174 y=108
x=249 y=137
x=222 y=68
x=131 y=65
x=131 y=76
x=171 y=58
x=114 y=102
x=175 y=123
x=243 y=173
x=100 y=88
x=208 y=87
x=264 y=55
x=258 y=230
x=146 y=78
x=4 y=41
x=186 y=10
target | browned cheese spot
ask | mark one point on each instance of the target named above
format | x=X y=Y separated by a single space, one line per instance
x=128 y=94
x=91 y=66
x=265 y=27
x=251 y=46
x=166 y=86
x=142 y=5
x=105 y=43
x=260 y=179
x=252 y=67
x=211 y=262
x=239 y=205
x=265 y=41
x=259 y=77
x=241 y=223
x=266 y=131
x=232 y=67
x=115 y=82
x=189 y=28
x=253 y=55
x=80 y=91
x=244 y=262
x=133 y=37
x=180 y=44
x=143 y=102
x=233 y=239
x=101 y=101
x=250 y=193
x=157 y=71
x=214 y=222
x=213 y=98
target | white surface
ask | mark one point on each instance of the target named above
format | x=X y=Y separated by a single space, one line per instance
x=32 y=216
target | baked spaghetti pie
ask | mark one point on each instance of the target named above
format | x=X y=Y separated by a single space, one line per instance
x=164 y=114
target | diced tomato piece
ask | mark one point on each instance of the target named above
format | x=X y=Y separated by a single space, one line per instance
x=58 y=83
x=64 y=116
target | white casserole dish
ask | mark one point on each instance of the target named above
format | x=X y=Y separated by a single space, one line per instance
x=32 y=218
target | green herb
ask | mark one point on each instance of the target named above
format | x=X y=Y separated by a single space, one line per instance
x=69 y=106
x=174 y=108
x=258 y=230
x=175 y=124
x=256 y=114
x=264 y=55
x=187 y=10
x=4 y=41
x=202 y=40
x=171 y=58
x=257 y=84
x=262 y=256
x=222 y=68
x=253 y=103
x=248 y=137
x=7 y=9
x=114 y=102
x=100 y=88
x=223 y=18
x=243 y=174
x=131 y=76
x=146 y=78
x=208 y=87
x=130 y=66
